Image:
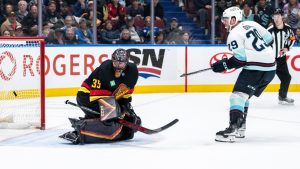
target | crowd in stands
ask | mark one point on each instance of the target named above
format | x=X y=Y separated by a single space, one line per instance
x=128 y=21
x=254 y=10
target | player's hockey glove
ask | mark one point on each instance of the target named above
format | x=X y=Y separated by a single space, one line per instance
x=220 y=65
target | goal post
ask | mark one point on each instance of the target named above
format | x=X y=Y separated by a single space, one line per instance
x=22 y=82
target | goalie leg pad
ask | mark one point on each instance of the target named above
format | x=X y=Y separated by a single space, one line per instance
x=97 y=131
x=93 y=131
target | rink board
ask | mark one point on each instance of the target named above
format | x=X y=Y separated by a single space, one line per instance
x=159 y=68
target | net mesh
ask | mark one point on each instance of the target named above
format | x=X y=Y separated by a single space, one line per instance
x=20 y=84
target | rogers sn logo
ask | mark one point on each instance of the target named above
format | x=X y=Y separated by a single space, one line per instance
x=148 y=61
x=220 y=56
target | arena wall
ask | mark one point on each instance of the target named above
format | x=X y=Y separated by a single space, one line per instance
x=159 y=67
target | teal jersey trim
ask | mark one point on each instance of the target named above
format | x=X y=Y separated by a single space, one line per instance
x=240 y=54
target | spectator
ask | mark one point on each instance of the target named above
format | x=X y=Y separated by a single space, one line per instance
x=109 y=35
x=46 y=32
x=8 y=8
x=56 y=37
x=116 y=13
x=22 y=10
x=5 y=33
x=84 y=32
x=135 y=9
x=147 y=30
x=173 y=34
x=10 y=24
x=30 y=22
x=263 y=13
x=125 y=38
x=65 y=10
x=89 y=15
x=70 y=36
x=292 y=14
x=135 y=33
x=57 y=2
x=80 y=7
x=158 y=10
x=160 y=38
x=52 y=17
x=32 y=2
x=103 y=11
x=231 y=3
x=68 y=22
x=19 y=31
x=247 y=12
x=13 y=3
x=186 y=38
x=202 y=7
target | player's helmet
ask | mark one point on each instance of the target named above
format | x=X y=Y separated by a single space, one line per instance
x=121 y=56
x=278 y=11
x=228 y=14
x=233 y=12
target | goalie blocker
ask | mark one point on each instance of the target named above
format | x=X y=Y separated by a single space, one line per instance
x=105 y=128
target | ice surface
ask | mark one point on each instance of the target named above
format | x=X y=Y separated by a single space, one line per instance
x=272 y=137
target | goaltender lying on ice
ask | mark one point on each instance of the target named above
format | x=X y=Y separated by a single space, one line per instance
x=113 y=124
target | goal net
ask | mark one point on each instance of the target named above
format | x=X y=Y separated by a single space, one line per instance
x=22 y=83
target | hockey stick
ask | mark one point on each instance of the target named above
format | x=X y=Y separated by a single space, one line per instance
x=127 y=123
x=198 y=71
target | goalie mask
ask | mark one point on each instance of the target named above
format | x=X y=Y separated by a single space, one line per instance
x=120 y=59
x=229 y=14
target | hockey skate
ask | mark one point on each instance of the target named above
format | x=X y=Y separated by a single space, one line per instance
x=285 y=101
x=235 y=130
x=71 y=136
x=227 y=135
x=241 y=131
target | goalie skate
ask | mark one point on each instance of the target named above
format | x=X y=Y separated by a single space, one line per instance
x=71 y=136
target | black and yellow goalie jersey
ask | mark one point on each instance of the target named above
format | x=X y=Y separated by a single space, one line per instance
x=102 y=83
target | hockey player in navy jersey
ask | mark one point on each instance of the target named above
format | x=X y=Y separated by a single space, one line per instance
x=108 y=87
x=252 y=51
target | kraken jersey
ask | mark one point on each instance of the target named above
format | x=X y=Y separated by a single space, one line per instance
x=251 y=46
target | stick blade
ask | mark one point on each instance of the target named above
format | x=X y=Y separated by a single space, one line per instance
x=163 y=127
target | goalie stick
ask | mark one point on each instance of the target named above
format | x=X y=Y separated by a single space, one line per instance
x=129 y=124
x=198 y=71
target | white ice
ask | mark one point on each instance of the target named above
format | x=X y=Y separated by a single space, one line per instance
x=272 y=137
